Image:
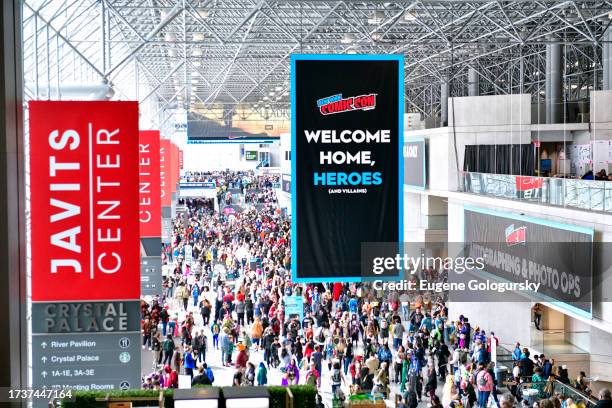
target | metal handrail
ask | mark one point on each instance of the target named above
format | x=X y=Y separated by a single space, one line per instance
x=565 y=390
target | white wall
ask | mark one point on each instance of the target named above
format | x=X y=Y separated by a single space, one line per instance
x=511 y=321
x=285 y=146
x=601 y=115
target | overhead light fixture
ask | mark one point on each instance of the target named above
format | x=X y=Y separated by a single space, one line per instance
x=170 y=37
x=574 y=86
x=197 y=52
x=377 y=17
x=198 y=37
x=267 y=105
x=351 y=51
x=204 y=13
x=265 y=98
x=348 y=38
x=278 y=88
x=197 y=64
x=270 y=93
x=376 y=36
x=256 y=106
x=409 y=15
x=172 y=52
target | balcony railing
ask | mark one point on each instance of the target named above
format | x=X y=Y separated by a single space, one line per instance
x=590 y=195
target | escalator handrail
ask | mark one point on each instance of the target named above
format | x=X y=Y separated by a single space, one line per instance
x=586 y=397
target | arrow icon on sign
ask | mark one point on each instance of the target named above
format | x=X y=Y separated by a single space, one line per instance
x=44 y=374
x=43 y=345
x=44 y=359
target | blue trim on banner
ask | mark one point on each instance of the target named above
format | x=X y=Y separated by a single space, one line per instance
x=294 y=215
x=540 y=221
x=547 y=223
x=232 y=141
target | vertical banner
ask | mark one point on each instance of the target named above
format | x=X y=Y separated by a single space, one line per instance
x=85 y=244
x=150 y=190
x=165 y=170
x=347 y=138
x=174 y=176
x=150 y=212
x=415 y=175
x=180 y=155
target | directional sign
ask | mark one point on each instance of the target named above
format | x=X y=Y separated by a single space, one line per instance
x=166 y=232
x=86 y=346
x=151 y=275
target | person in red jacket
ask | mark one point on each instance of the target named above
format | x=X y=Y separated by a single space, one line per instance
x=243 y=356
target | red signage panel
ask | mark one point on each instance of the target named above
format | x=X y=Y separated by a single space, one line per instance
x=528 y=183
x=150 y=190
x=180 y=153
x=164 y=172
x=84 y=200
x=174 y=166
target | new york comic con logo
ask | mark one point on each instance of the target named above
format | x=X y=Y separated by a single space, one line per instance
x=337 y=104
x=515 y=236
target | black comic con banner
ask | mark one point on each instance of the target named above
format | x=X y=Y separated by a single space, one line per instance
x=516 y=248
x=347 y=138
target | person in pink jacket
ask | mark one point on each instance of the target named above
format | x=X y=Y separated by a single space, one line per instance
x=484 y=383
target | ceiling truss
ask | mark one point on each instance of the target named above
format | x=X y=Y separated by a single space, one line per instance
x=206 y=54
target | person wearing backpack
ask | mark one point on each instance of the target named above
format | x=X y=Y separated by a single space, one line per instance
x=164 y=317
x=215 y=330
x=384 y=328
x=196 y=294
x=312 y=375
x=189 y=362
x=337 y=378
x=209 y=373
x=168 y=348
x=484 y=384
x=262 y=374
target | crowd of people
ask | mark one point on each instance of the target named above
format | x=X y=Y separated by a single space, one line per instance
x=227 y=300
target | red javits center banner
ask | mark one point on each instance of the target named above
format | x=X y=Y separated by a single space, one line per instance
x=150 y=190
x=174 y=160
x=85 y=244
x=165 y=172
x=84 y=198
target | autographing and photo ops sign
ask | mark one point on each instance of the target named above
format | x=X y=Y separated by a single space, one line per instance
x=347 y=138
x=84 y=190
x=517 y=248
x=150 y=212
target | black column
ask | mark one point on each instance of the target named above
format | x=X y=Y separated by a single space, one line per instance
x=13 y=365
